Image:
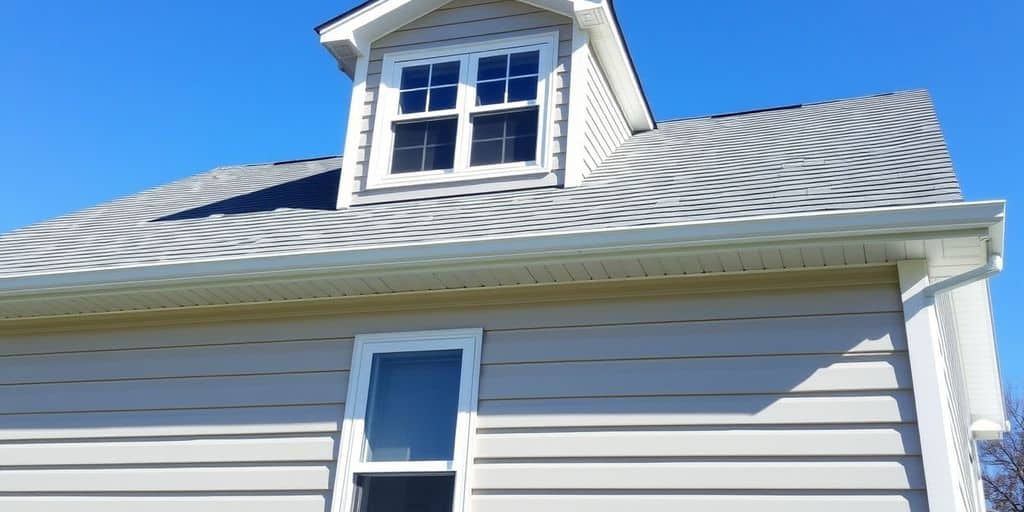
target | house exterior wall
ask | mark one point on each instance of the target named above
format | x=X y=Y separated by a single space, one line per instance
x=468 y=21
x=780 y=396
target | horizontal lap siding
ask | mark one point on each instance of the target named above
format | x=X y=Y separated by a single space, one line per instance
x=166 y=423
x=729 y=408
x=465 y=22
x=726 y=400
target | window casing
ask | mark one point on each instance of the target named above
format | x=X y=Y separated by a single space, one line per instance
x=495 y=121
x=409 y=413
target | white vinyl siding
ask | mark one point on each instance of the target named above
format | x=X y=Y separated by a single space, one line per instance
x=780 y=398
x=606 y=126
x=965 y=448
x=168 y=420
x=471 y=21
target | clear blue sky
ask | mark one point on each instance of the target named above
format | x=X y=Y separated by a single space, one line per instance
x=103 y=98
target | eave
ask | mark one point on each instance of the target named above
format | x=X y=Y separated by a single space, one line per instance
x=419 y=264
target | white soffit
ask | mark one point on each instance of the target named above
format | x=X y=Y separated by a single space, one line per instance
x=981 y=363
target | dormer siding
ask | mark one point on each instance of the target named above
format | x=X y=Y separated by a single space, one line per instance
x=605 y=126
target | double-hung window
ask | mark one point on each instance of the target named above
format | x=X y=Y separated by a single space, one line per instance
x=463 y=112
x=411 y=401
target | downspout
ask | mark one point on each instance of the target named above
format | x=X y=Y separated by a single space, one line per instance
x=981 y=429
x=993 y=267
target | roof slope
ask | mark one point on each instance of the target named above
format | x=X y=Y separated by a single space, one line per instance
x=860 y=153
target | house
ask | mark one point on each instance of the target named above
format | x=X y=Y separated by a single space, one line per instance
x=516 y=291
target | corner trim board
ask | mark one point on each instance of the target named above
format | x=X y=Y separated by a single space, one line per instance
x=927 y=372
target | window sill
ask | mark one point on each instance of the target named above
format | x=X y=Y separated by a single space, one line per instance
x=435 y=178
x=459 y=184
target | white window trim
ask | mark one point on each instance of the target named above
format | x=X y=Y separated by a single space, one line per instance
x=353 y=435
x=378 y=173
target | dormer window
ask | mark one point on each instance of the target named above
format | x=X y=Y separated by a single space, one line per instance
x=465 y=112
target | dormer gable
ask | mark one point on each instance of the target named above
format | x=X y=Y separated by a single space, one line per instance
x=474 y=96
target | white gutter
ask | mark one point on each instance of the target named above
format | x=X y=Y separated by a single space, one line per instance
x=934 y=221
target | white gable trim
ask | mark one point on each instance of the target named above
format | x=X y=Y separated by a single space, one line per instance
x=598 y=19
x=349 y=38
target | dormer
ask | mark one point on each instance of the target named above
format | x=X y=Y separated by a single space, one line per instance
x=473 y=96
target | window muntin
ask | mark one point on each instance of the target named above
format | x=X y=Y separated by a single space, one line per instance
x=424 y=145
x=493 y=77
x=504 y=137
x=429 y=87
x=411 y=402
x=507 y=78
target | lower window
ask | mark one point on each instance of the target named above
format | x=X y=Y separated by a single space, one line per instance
x=411 y=401
x=403 y=493
x=504 y=138
x=424 y=146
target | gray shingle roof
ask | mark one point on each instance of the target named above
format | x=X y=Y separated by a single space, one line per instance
x=867 y=152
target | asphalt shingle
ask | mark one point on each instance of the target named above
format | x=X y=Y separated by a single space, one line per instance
x=869 y=152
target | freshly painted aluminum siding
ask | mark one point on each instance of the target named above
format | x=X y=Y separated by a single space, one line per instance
x=860 y=153
x=787 y=397
x=467 y=21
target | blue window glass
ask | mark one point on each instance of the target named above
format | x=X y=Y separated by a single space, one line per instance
x=412 y=406
x=424 y=145
x=504 y=137
x=507 y=78
x=429 y=87
x=404 y=493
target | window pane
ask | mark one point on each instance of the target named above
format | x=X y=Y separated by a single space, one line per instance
x=525 y=63
x=404 y=493
x=407 y=160
x=439 y=157
x=489 y=68
x=443 y=98
x=490 y=93
x=442 y=131
x=486 y=152
x=445 y=73
x=410 y=134
x=522 y=123
x=412 y=406
x=503 y=138
x=413 y=101
x=415 y=76
x=488 y=127
x=520 y=89
x=521 y=149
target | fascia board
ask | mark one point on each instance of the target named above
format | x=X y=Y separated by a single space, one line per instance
x=370 y=23
x=809 y=227
x=609 y=47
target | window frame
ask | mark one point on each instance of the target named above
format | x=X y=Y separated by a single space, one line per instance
x=386 y=113
x=353 y=434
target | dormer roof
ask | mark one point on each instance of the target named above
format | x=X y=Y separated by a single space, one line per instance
x=349 y=35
